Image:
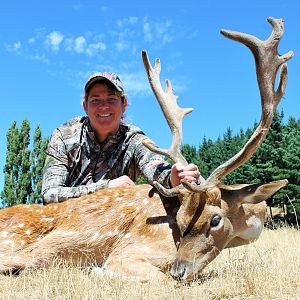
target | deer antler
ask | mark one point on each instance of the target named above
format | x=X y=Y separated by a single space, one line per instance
x=267 y=62
x=174 y=116
x=172 y=112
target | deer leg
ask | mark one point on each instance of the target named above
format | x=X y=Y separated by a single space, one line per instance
x=132 y=268
x=11 y=264
x=56 y=247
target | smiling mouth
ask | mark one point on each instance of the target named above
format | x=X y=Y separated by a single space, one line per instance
x=103 y=115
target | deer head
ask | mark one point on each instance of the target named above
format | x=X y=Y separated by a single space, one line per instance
x=211 y=215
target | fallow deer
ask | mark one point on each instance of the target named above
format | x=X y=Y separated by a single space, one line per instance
x=142 y=231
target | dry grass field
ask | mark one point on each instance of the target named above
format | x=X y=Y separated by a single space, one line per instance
x=266 y=269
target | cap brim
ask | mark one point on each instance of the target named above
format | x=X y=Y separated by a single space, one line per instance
x=100 y=78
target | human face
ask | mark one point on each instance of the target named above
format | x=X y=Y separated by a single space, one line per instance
x=104 y=109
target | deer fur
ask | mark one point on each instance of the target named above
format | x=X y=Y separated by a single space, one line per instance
x=133 y=231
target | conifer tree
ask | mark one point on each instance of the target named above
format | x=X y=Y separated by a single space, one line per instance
x=291 y=157
x=268 y=157
x=38 y=156
x=290 y=169
x=23 y=168
x=24 y=180
x=206 y=157
x=11 y=169
x=215 y=155
x=190 y=154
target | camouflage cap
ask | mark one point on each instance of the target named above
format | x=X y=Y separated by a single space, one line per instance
x=107 y=76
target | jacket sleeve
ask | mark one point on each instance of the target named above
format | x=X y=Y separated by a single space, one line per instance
x=152 y=166
x=56 y=174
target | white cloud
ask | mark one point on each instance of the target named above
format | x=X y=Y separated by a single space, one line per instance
x=164 y=32
x=14 y=47
x=121 y=46
x=69 y=44
x=166 y=38
x=120 y=23
x=126 y=36
x=80 y=44
x=31 y=40
x=127 y=21
x=118 y=45
x=193 y=34
x=133 y=20
x=94 y=48
x=135 y=83
x=147 y=32
x=162 y=27
x=39 y=34
x=38 y=57
x=17 y=45
x=54 y=40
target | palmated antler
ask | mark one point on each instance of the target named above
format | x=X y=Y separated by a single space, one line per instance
x=174 y=116
x=172 y=112
x=267 y=62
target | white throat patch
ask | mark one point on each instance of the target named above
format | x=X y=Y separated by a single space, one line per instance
x=254 y=229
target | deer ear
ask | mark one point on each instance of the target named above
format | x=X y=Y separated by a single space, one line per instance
x=253 y=193
x=186 y=212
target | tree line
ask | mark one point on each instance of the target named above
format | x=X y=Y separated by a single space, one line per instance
x=277 y=158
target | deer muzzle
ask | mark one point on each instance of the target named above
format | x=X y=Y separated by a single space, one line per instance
x=179 y=271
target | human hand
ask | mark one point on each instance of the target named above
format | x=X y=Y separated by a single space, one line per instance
x=190 y=173
x=121 y=181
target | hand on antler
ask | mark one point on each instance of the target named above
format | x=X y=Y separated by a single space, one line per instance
x=189 y=173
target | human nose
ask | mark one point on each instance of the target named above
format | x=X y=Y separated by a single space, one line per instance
x=101 y=103
x=104 y=103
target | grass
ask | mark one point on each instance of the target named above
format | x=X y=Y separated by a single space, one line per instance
x=266 y=269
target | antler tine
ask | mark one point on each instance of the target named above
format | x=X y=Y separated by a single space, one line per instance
x=173 y=192
x=174 y=116
x=172 y=112
x=267 y=62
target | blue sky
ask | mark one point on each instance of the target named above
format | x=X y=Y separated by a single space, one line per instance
x=49 y=48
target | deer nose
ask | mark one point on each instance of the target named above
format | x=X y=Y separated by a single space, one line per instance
x=178 y=272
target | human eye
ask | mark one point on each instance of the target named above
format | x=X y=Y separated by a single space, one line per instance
x=112 y=100
x=94 y=101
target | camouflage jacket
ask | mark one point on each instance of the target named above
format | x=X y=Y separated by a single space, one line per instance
x=77 y=164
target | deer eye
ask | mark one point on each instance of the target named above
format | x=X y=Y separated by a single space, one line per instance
x=215 y=221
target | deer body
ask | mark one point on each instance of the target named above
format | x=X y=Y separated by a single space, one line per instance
x=142 y=231
x=133 y=231
x=111 y=225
